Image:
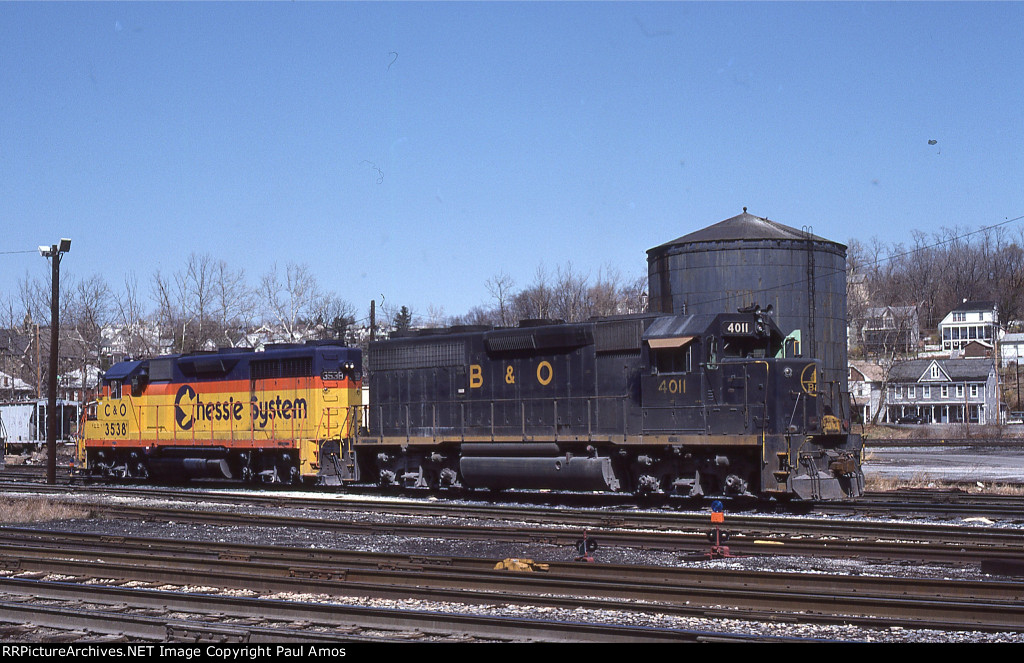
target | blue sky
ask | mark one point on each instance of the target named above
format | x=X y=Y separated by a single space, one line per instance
x=413 y=150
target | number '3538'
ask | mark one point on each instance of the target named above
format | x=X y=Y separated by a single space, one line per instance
x=116 y=427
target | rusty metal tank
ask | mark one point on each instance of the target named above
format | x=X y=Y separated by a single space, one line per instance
x=747 y=260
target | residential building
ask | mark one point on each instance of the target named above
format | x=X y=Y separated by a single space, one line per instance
x=13 y=388
x=968 y=322
x=865 y=380
x=944 y=391
x=888 y=329
x=24 y=356
x=1011 y=349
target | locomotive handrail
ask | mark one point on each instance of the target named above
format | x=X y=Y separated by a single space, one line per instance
x=590 y=405
x=796 y=405
x=326 y=413
x=701 y=402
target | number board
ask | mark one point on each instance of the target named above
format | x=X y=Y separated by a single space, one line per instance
x=745 y=327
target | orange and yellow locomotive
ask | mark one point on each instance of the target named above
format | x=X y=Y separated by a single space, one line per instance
x=277 y=416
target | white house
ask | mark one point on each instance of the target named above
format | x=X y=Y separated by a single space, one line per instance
x=865 y=380
x=14 y=388
x=968 y=322
x=1011 y=349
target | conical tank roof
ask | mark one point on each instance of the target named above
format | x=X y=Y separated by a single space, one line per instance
x=743 y=227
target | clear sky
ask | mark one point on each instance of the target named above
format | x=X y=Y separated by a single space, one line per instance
x=413 y=150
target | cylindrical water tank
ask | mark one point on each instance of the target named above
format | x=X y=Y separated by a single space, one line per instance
x=749 y=260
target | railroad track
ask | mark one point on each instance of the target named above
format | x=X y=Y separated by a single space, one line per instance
x=947 y=504
x=899 y=502
x=217 y=618
x=649 y=530
x=716 y=594
x=941 y=504
x=938 y=504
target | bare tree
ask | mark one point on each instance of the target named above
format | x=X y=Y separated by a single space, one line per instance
x=131 y=321
x=291 y=301
x=334 y=317
x=185 y=304
x=570 y=295
x=91 y=311
x=197 y=284
x=478 y=315
x=34 y=295
x=536 y=301
x=435 y=317
x=234 y=309
x=500 y=287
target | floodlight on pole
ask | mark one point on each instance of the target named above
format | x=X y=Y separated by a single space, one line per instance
x=53 y=252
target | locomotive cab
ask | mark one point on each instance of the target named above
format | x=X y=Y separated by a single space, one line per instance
x=753 y=420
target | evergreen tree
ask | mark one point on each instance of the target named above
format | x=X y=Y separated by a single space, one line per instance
x=403 y=320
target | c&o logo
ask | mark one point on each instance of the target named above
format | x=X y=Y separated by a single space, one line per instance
x=183 y=412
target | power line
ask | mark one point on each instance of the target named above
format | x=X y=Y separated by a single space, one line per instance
x=876 y=263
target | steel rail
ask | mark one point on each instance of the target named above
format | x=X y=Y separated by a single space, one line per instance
x=193 y=555
x=893 y=504
x=411 y=623
x=654 y=530
x=748 y=536
x=756 y=525
x=158 y=629
x=800 y=597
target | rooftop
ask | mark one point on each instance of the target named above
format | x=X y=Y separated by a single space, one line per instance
x=743 y=227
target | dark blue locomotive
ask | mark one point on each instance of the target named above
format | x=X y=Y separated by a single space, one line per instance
x=688 y=404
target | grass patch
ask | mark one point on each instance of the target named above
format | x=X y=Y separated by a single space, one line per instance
x=940 y=431
x=36 y=509
x=888 y=484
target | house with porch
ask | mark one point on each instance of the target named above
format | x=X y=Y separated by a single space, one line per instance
x=944 y=391
x=968 y=322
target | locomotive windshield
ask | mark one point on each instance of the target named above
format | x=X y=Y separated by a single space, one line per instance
x=745 y=346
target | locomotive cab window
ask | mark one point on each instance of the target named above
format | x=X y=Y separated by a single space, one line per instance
x=115 y=389
x=743 y=347
x=673 y=355
x=674 y=360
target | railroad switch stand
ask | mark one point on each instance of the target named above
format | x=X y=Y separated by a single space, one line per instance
x=718 y=537
x=586 y=546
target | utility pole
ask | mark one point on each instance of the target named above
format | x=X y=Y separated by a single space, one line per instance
x=54 y=253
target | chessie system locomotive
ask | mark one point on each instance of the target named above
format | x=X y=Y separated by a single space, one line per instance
x=686 y=404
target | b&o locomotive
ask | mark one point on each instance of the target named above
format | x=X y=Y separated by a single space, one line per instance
x=693 y=405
